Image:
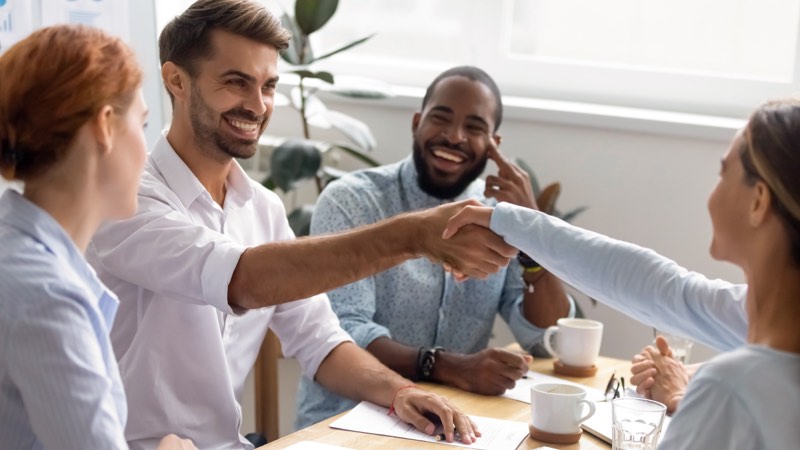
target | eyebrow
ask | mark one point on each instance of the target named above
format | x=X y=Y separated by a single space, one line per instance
x=473 y=117
x=246 y=76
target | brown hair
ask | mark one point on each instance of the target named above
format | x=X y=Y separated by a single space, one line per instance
x=54 y=81
x=771 y=153
x=186 y=38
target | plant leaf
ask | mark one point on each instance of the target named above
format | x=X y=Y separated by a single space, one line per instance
x=293 y=161
x=354 y=129
x=341 y=49
x=534 y=182
x=321 y=75
x=311 y=15
x=300 y=220
x=356 y=153
x=291 y=54
x=571 y=215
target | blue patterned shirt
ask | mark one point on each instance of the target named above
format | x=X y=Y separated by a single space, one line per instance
x=59 y=383
x=415 y=303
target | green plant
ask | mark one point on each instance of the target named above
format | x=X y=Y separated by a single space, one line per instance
x=301 y=159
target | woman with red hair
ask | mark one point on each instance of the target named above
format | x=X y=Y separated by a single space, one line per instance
x=71 y=120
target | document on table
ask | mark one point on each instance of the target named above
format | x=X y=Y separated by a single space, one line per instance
x=496 y=434
x=522 y=391
x=601 y=423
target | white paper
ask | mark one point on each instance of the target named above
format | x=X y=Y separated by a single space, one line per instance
x=522 y=391
x=16 y=22
x=309 y=445
x=496 y=434
x=109 y=15
x=601 y=423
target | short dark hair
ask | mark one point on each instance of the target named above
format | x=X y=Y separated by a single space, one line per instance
x=475 y=74
x=187 y=37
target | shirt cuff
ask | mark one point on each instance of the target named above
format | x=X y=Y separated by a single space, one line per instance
x=217 y=274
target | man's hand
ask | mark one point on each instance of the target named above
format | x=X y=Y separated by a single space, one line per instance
x=474 y=252
x=511 y=184
x=489 y=372
x=659 y=376
x=415 y=406
x=173 y=442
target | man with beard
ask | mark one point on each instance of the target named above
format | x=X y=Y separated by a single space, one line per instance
x=416 y=318
x=208 y=262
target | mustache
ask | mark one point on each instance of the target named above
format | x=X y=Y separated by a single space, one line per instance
x=443 y=142
x=243 y=114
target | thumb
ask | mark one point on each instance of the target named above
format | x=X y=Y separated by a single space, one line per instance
x=663 y=346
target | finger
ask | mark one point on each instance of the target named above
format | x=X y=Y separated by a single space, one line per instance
x=643 y=376
x=512 y=359
x=466 y=216
x=663 y=346
x=503 y=164
x=466 y=428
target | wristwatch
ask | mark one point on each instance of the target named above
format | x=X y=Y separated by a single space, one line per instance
x=426 y=359
x=528 y=263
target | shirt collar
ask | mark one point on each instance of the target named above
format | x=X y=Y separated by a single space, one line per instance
x=182 y=181
x=27 y=218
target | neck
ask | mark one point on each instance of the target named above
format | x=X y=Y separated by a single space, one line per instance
x=73 y=205
x=210 y=168
x=773 y=305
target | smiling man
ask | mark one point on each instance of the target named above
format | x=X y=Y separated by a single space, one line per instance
x=209 y=263
x=415 y=318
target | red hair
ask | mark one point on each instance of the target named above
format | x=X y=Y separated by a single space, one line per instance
x=53 y=82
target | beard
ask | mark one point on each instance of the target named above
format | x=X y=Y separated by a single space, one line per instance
x=444 y=190
x=208 y=136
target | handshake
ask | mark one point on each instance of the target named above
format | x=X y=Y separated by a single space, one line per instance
x=457 y=235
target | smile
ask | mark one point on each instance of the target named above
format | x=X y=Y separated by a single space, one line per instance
x=448 y=156
x=244 y=126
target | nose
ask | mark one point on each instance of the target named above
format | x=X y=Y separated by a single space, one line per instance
x=454 y=134
x=257 y=102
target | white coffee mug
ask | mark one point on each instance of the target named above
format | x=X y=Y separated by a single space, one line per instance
x=558 y=408
x=577 y=341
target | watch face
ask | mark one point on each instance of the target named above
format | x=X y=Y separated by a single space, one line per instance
x=427 y=363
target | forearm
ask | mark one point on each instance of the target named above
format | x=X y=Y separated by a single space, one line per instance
x=396 y=356
x=280 y=272
x=547 y=303
x=352 y=372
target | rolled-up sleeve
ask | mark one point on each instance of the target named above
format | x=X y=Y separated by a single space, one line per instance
x=193 y=263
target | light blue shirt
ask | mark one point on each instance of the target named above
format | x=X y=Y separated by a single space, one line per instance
x=746 y=398
x=59 y=383
x=414 y=303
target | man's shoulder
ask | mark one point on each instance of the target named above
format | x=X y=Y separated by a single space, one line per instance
x=372 y=181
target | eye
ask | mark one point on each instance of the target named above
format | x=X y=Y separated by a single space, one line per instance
x=238 y=82
x=269 y=87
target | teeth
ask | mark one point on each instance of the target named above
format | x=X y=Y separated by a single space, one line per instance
x=244 y=126
x=448 y=156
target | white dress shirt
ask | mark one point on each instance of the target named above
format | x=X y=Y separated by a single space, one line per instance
x=59 y=383
x=183 y=352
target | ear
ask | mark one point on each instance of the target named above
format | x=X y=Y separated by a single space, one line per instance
x=497 y=139
x=175 y=79
x=415 y=121
x=761 y=203
x=103 y=128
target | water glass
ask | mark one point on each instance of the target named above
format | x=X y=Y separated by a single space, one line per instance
x=636 y=423
x=681 y=347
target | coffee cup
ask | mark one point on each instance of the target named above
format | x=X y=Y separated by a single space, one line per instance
x=577 y=341
x=557 y=411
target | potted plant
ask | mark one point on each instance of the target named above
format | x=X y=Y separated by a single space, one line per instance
x=302 y=159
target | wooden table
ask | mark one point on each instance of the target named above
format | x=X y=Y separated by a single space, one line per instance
x=474 y=404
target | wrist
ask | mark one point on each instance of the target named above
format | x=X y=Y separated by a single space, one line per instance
x=428 y=358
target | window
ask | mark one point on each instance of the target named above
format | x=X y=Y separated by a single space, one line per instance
x=704 y=56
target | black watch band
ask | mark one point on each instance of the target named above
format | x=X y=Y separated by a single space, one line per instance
x=526 y=261
x=426 y=359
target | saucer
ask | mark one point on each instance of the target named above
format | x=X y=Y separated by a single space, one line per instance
x=572 y=371
x=554 y=438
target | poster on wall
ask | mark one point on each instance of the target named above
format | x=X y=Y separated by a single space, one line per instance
x=109 y=15
x=16 y=21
